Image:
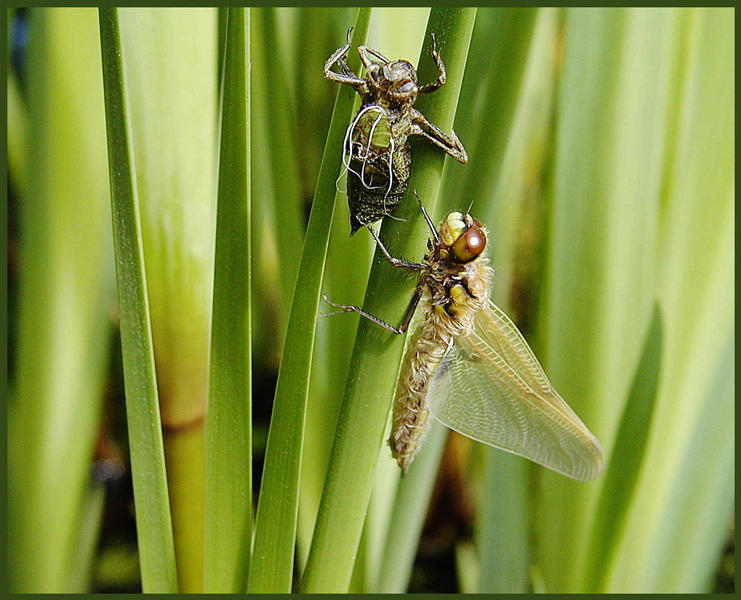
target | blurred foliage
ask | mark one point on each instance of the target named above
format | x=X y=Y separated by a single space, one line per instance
x=601 y=144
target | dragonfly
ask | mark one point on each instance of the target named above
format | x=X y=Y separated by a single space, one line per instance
x=469 y=367
x=376 y=150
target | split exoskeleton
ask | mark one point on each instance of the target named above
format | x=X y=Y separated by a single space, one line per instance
x=376 y=150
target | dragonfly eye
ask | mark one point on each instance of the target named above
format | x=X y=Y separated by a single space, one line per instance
x=469 y=245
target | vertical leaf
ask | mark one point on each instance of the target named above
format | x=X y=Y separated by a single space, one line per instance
x=331 y=358
x=278 y=201
x=279 y=117
x=154 y=529
x=170 y=60
x=600 y=269
x=408 y=517
x=376 y=356
x=88 y=537
x=271 y=568
x=18 y=150
x=315 y=30
x=627 y=456
x=491 y=89
x=684 y=500
x=228 y=521
x=65 y=296
x=502 y=534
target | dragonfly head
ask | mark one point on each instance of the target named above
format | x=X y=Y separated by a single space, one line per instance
x=464 y=236
x=397 y=79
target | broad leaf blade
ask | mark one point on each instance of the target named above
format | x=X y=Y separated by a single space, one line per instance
x=170 y=61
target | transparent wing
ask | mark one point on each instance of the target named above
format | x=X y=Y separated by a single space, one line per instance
x=491 y=388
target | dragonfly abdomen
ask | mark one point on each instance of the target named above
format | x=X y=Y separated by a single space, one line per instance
x=374 y=188
x=425 y=352
x=455 y=294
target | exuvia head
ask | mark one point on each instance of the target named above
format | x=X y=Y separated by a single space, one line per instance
x=464 y=236
x=397 y=79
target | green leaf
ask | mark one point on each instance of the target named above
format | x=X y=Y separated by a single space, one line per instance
x=89 y=537
x=600 y=266
x=170 y=59
x=490 y=93
x=503 y=527
x=508 y=204
x=271 y=568
x=376 y=356
x=331 y=358
x=315 y=30
x=278 y=116
x=228 y=521
x=18 y=126
x=467 y=567
x=408 y=517
x=623 y=471
x=65 y=296
x=377 y=521
x=154 y=528
x=683 y=505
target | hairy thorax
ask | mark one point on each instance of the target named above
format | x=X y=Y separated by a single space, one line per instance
x=455 y=293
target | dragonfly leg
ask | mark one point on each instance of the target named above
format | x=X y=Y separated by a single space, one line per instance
x=338 y=57
x=397 y=262
x=365 y=54
x=441 y=78
x=430 y=224
x=345 y=308
x=450 y=143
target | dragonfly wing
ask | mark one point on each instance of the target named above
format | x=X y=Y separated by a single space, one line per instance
x=491 y=388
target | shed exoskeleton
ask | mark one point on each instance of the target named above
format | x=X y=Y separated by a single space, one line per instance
x=376 y=150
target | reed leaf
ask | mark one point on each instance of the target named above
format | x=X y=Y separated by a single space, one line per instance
x=154 y=529
x=170 y=59
x=627 y=456
x=409 y=512
x=228 y=504
x=18 y=125
x=56 y=151
x=683 y=504
x=376 y=356
x=271 y=568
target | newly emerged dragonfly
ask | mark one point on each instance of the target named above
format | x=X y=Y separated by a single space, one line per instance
x=376 y=151
x=469 y=366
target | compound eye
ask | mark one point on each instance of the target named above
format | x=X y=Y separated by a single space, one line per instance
x=469 y=245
